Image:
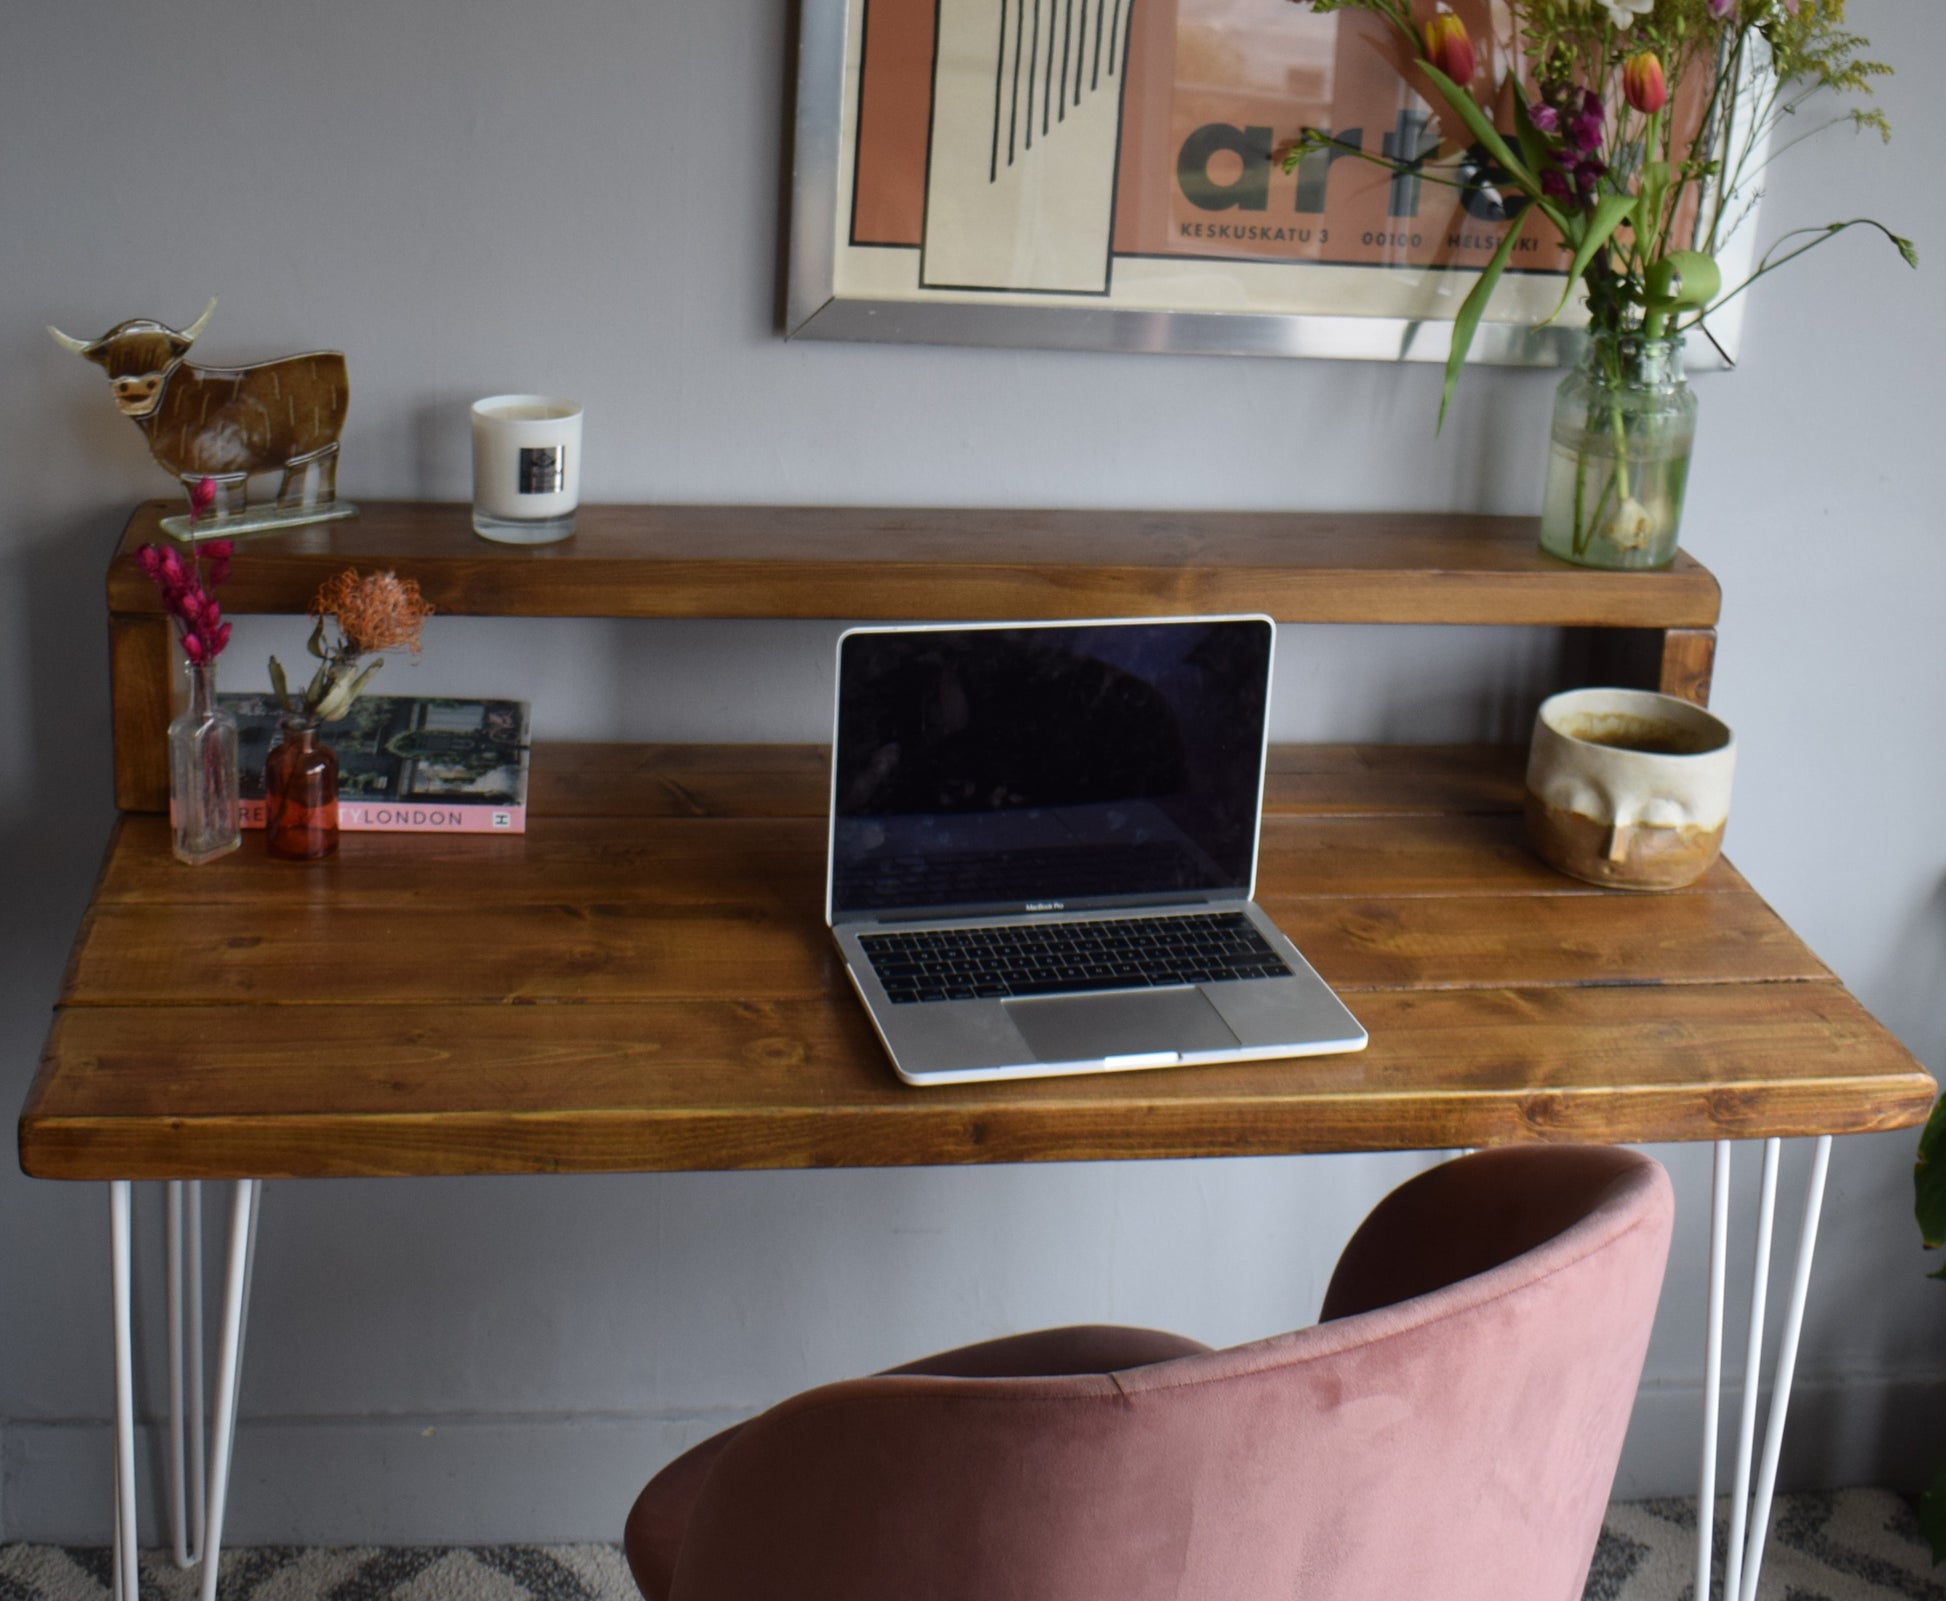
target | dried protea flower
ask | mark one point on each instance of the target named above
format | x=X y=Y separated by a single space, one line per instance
x=378 y=612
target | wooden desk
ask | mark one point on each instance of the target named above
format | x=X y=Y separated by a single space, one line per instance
x=643 y=981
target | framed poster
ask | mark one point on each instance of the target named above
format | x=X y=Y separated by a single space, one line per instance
x=1108 y=174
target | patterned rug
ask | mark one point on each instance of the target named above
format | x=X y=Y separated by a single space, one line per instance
x=1853 y=1545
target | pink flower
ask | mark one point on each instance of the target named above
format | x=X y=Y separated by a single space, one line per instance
x=202 y=496
x=1584 y=132
x=1448 y=46
x=1642 y=83
x=192 y=647
x=1721 y=8
x=1545 y=118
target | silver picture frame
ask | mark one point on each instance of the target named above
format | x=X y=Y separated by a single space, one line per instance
x=818 y=306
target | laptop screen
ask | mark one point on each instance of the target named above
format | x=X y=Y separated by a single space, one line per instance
x=1047 y=767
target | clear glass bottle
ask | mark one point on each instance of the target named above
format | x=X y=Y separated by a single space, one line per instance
x=1618 y=454
x=203 y=820
x=301 y=794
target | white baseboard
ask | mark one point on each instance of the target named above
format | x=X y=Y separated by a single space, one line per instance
x=482 y=1481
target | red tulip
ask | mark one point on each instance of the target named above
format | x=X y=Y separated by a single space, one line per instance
x=1447 y=46
x=1642 y=83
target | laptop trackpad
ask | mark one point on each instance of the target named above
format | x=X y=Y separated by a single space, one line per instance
x=1086 y=1028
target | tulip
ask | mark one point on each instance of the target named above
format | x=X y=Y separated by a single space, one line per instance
x=1448 y=48
x=1642 y=83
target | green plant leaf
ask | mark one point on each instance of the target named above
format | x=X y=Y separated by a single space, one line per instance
x=1929 y=1181
x=316 y=646
x=1471 y=310
x=338 y=701
x=1656 y=176
x=1533 y=144
x=1610 y=211
x=1932 y=1516
x=1469 y=112
x=280 y=686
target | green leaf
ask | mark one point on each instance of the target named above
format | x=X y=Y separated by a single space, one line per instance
x=1656 y=176
x=1533 y=145
x=280 y=686
x=1471 y=311
x=1610 y=211
x=1469 y=112
x=1932 y=1516
x=338 y=702
x=1929 y=1180
x=316 y=646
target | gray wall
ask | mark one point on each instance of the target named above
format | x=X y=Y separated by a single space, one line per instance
x=477 y=197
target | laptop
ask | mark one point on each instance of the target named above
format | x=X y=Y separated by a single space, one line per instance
x=1043 y=849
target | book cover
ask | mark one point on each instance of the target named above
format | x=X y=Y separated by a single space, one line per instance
x=406 y=763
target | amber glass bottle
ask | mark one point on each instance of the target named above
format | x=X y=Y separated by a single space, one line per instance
x=301 y=794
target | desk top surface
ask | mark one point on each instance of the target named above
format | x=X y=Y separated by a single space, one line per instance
x=643 y=981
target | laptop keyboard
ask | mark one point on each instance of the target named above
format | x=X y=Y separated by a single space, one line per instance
x=966 y=964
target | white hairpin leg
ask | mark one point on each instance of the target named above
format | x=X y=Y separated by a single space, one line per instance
x=127 y=1583
x=1752 y=1372
x=1780 y=1388
x=236 y=1305
x=1750 y=1523
x=1713 y=1366
x=184 y=1463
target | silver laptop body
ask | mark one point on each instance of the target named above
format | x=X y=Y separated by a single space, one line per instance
x=1043 y=849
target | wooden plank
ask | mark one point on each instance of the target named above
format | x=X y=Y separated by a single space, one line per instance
x=1688 y=663
x=218 y=1092
x=880 y=563
x=677 y=862
x=141 y=662
x=751 y=938
x=1439 y=942
x=615 y=780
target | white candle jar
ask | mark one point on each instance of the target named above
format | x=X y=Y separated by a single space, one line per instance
x=526 y=468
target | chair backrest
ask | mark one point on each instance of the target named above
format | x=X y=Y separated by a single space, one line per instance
x=1457 y=1439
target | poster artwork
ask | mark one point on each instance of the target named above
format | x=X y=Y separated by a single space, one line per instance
x=1132 y=150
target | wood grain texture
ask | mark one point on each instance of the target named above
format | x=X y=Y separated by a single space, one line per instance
x=223 y=1093
x=615 y=991
x=141 y=662
x=886 y=563
x=1688 y=663
x=615 y=780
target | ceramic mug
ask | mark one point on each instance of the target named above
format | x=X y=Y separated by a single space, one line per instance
x=1627 y=788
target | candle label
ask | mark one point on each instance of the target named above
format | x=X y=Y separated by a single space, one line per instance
x=543 y=470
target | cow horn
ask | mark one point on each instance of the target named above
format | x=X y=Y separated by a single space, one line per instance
x=195 y=328
x=68 y=341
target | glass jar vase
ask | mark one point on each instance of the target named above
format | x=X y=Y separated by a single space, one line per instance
x=300 y=794
x=203 y=814
x=1618 y=454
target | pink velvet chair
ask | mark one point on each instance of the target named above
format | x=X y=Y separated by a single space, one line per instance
x=1451 y=1429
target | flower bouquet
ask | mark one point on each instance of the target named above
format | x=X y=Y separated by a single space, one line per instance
x=1635 y=130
